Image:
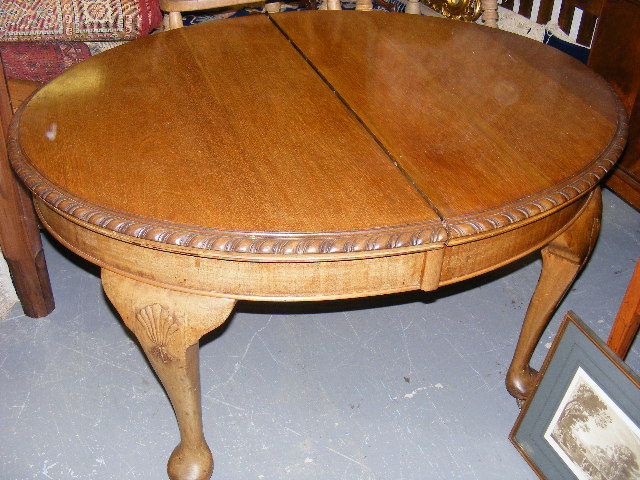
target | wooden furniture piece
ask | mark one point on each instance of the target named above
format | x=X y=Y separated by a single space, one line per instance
x=175 y=8
x=19 y=232
x=615 y=54
x=627 y=322
x=390 y=153
x=469 y=10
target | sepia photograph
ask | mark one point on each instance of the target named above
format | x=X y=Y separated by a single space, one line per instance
x=592 y=435
x=582 y=419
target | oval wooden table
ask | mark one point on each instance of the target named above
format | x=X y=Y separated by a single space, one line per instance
x=315 y=155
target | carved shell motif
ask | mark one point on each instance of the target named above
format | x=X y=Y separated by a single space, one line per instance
x=160 y=325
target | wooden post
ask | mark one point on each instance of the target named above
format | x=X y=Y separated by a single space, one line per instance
x=19 y=232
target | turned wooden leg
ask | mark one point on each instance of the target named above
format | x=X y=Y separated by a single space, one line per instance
x=364 y=5
x=172 y=20
x=562 y=259
x=490 y=13
x=168 y=324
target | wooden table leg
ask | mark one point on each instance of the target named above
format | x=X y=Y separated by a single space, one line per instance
x=168 y=324
x=562 y=259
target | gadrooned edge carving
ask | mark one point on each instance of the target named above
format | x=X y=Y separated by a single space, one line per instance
x=573 y=187
x=218 y=240
x=160 y=325
x=314 y=244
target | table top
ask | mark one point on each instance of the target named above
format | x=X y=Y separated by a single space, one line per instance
x=318 y=132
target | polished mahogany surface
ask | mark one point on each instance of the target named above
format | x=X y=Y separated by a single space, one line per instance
x=344 y=124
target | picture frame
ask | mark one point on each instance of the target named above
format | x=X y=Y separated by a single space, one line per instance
x=582 y=421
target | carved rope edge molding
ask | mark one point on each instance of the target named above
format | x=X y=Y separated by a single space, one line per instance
x=340 y=242
x=572 y=188
x=216 y=240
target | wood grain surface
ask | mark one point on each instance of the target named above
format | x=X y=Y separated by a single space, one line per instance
x=478 y=118
x=239 y=135
x=319 y=133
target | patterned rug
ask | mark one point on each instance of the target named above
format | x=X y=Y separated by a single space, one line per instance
x=71 y=20
x=41 y=38
x=41 y=61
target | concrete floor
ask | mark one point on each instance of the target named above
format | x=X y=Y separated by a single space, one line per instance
x=398 y=387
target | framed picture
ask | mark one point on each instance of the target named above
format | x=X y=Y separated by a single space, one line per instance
x=583 y=419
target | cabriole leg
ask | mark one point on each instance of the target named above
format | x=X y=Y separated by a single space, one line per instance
x=168 y=324
x=562 y=259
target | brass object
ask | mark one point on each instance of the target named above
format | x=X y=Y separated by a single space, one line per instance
x=467 y=10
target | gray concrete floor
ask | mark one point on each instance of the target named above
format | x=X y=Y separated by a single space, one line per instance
x=398 y=387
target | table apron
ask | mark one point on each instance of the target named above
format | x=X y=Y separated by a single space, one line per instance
x=244 y=279
x=306 y=281
x=466 y=260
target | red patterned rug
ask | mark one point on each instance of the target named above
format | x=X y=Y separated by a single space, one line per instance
x=40 y=62
x=66 y=20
